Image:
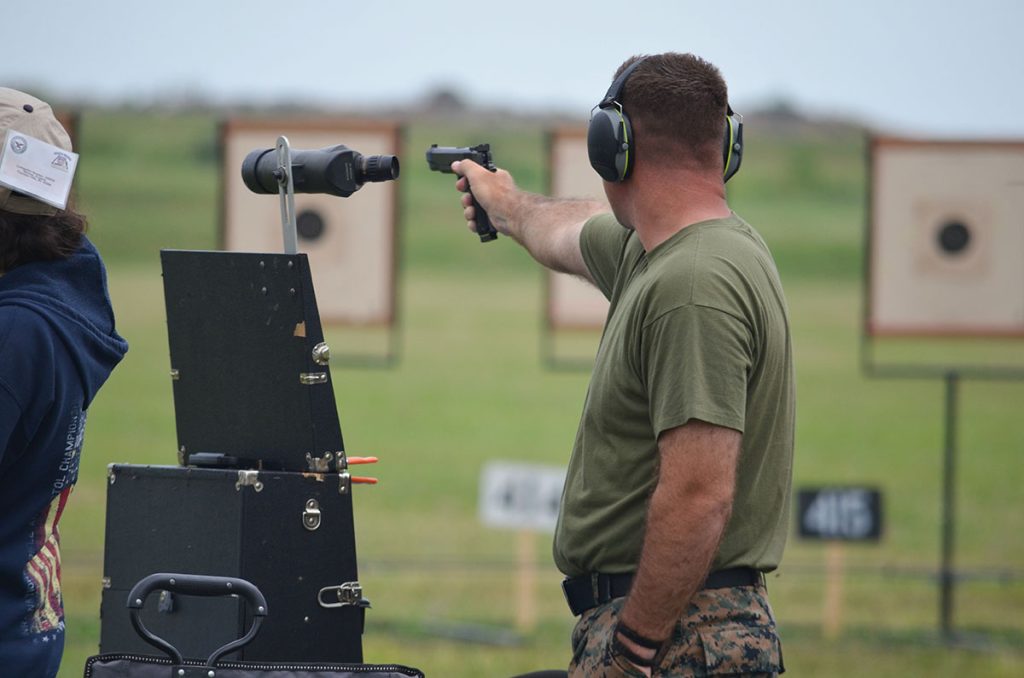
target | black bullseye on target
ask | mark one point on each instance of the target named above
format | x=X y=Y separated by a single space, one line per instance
x=954 y=237
x=310 y=225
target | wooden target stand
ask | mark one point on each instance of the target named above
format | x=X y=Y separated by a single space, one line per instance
x=573 y=310
x=944 y=242
x=70 y=120
x=352 y=243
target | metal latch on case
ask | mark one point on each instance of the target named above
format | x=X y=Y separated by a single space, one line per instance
x=321 y=354
x=311 y=516
x=343 y=595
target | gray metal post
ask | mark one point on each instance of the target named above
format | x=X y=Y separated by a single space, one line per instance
x=947 y=575
x=286 y=190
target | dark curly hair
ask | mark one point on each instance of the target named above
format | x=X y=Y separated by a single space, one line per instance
x=25 y=238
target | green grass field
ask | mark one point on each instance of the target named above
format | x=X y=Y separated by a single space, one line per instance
x=470 y=387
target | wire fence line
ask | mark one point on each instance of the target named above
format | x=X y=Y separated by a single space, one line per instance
x=455 y=565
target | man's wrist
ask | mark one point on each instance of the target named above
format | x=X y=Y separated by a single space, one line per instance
x=641 y=657
x=635 y=646
x=520 y=210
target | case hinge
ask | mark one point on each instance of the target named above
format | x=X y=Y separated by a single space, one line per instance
x=311 y=378
x=249 y=478
x=321 y=464
x=344 y=477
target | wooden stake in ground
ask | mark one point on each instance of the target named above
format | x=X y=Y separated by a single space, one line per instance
x=526 y=582
x=832 y=622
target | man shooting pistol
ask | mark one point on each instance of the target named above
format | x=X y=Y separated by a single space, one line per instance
x=676 y=497
x=440 y=159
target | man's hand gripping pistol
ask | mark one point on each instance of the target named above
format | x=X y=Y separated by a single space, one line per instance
x=440 y=159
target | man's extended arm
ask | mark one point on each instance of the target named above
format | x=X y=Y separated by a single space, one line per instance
x=549 y=228
x=686 y=517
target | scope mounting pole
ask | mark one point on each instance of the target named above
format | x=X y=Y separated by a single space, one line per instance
x=286 y=190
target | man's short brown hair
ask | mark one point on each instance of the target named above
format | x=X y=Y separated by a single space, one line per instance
x=677 y=105
x=25 y=238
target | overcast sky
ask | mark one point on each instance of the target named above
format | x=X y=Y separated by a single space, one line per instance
x=932 y=68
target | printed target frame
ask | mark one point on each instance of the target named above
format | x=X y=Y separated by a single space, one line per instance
x=390 y=137
x=566 y=150
x=955 y=217
x=953 y=237
x=959 y=204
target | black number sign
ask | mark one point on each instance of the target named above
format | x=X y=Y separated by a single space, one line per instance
x=840 y=513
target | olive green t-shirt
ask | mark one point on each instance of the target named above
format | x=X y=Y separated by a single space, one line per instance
x=697 y=329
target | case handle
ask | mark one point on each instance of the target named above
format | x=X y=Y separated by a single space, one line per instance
x=196 y=585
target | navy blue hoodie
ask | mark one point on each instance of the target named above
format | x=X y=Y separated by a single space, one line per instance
x=57 y=347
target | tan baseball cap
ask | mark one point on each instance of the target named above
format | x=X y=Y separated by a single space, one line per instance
x=32 y=117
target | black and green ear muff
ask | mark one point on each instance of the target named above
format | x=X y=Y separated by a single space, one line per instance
x=609 y=140
x=610 y=136
x=732 y=150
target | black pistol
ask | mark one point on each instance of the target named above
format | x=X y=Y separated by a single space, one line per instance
x=440 y=159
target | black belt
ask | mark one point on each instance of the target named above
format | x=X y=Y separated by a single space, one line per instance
x=583 y=593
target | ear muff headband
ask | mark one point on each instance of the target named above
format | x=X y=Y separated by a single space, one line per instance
x=615 y=89
x=610 y=135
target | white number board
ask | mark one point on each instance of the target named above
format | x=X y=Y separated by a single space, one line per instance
x=521 y=496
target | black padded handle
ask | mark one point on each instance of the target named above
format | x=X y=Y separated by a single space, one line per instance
x=195 y=585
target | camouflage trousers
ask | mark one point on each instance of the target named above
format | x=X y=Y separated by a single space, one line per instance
x=725 y=632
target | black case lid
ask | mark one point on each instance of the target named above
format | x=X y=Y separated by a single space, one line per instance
x=241 y=329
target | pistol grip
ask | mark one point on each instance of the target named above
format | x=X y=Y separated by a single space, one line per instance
x=484 y=228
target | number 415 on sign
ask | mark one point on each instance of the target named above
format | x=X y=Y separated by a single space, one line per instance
x=840 y=513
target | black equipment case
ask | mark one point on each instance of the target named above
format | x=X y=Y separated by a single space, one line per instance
x=263 y=491
x=126 y=665
x=290 y=534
